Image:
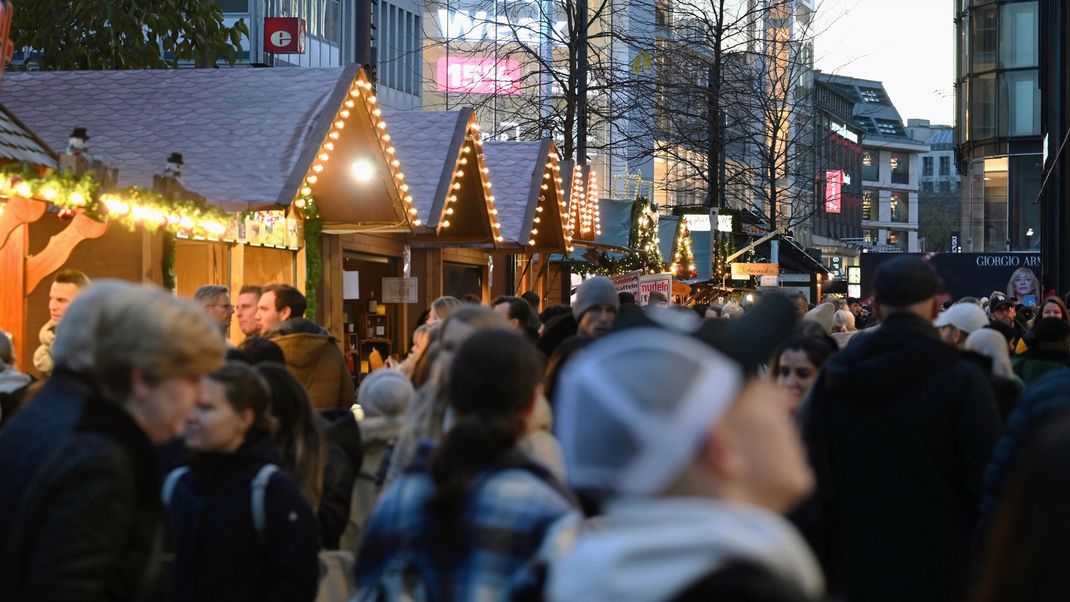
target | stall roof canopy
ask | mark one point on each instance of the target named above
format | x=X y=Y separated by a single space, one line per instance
x=18 y=143
x=667 y=227
x=428 y=143
x=518 y=171
x=241 y=132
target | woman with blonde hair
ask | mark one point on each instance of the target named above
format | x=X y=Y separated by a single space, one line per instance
x=1024 y=283
x=843 y=327
x=442 y=307
x=1005 y=382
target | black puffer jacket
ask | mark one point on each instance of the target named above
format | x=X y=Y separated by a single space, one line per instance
x=742 y=582
x=345 y=453
x=899 y=428
x=219 y=554
x=90 y=523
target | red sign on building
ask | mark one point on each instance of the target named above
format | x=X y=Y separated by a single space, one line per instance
x=284 y=35
x=833 y=190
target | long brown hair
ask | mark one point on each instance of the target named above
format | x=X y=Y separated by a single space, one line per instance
x=299 y=438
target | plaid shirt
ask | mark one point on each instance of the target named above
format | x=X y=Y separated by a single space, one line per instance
x=503 y=523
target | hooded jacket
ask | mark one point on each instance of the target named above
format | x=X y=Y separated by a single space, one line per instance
x=899 y=428
x=313 y=356
x=658 y=549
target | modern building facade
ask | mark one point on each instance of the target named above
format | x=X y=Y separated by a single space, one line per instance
x=836 y=226
x=997 y=129
x=331 y=40
x=890 y=169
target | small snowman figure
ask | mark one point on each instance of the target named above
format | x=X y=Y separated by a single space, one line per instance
x=78 y=143
x=173 y=169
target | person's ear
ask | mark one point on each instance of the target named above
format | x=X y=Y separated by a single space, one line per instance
x=285 y=313
x=140 y=388
x=246 y=418
x=719 y=455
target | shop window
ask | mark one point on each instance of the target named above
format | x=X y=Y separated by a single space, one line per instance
x=869 y=236
x=871 y=169
x=926 y=166
x=1018 y=35
x=1019 y=104
x=995 y=204
x=900 y=168
x=460 y=280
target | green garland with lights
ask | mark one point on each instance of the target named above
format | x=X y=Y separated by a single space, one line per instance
x=306 y=208
x=131 y=207
x=643 y=237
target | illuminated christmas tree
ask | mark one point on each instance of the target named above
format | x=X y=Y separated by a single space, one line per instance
x=684 y=267
x=644 y=237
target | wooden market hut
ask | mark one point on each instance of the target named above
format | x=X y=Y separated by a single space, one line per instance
x=438 y=161
x=248 y=138
x=532 y=211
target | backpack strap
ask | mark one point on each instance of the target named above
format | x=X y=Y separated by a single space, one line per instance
x=170 y=482
x=258 y=492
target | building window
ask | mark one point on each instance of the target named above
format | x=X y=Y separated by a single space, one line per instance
x=869 y=236
x=945 y=166
x=871 y=95
x=983 y=107
x=869 y=201
x=898 y=204
x=871 y=169
x=926 y=166
x=1019 y=104
x=984 y=25
x=1018 y=35
x=893 y=238
x=233 y=6
x=900 y=167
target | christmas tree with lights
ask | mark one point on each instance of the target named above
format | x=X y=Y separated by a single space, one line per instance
x=644 y=237
x=684 y=267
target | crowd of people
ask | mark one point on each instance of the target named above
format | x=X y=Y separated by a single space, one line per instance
x=903 y=449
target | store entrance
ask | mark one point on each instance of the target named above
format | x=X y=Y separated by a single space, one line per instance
x=371 y=327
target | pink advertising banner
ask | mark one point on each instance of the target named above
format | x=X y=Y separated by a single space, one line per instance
x=477 y=75
x=833 y=190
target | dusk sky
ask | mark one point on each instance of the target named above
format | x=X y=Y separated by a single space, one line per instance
x=907 y=44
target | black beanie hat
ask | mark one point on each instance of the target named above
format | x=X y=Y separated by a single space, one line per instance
x=905 y=281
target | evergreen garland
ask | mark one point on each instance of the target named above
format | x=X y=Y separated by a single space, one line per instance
x=167 y=262
x=313 y=257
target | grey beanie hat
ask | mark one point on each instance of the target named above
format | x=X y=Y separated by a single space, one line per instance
x=385 y=392
x=594 y=292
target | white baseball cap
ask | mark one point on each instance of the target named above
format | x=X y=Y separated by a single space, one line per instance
x=967 y=317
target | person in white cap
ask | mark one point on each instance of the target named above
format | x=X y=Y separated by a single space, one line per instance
x=960 y=321
x=692 y=461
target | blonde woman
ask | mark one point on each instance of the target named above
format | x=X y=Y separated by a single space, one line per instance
x=1024 y=284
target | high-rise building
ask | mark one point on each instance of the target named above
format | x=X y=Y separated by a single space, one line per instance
x=890 y=167
x=997 y=129
x=331 y=40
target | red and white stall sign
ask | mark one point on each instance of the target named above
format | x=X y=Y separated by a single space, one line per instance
x=477 y=76
x=284 y=35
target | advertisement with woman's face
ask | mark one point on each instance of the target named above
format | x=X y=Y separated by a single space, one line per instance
x=1024 y=286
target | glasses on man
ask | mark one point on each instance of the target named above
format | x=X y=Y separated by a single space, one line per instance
x=226 y=306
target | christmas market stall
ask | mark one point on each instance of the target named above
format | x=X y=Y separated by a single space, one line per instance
x=531 y=207
x=210 y=170
x=383 y=279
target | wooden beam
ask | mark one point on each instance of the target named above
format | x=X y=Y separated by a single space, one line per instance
x=12 y=300
x=19 y=211
x=52 y=258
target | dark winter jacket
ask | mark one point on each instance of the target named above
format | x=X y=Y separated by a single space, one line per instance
x=1037 y=362
x=30 y=437
x=90 y=524
x=742 y=581
x=313 y=356
x=1038 y=405
x=219 y=555
x=345 y=454
x=899 y=428
x=13 y=387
